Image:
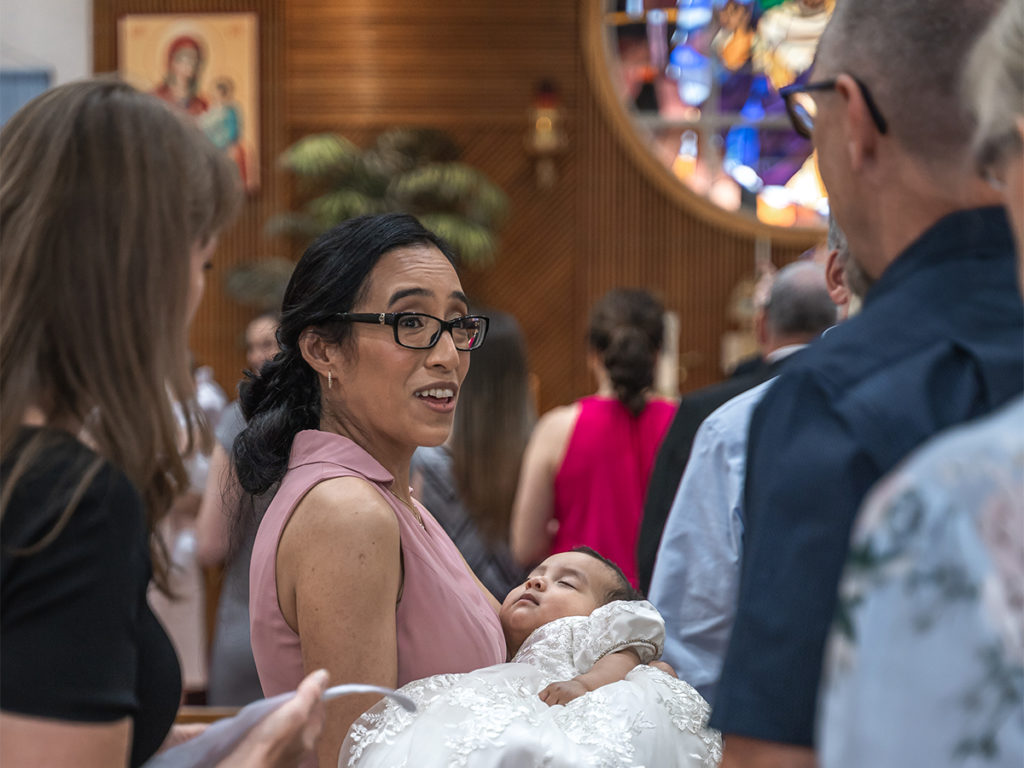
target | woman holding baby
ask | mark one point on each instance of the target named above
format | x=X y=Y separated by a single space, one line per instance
x=349 y=572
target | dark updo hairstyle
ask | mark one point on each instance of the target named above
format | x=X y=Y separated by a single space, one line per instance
x=331 y=277
x=626 y=329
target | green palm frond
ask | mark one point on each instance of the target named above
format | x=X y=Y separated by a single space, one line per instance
x=415 y=170
x=293 y=224
x=320 y=156
x=451 y=187
x=407 y=148
x=259 y=284
x=333 y=207
x=475 y=245
x=488 y=205
x=372 y=174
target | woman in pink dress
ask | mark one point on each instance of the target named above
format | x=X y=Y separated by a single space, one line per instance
x=348 y=571
x=586 y=468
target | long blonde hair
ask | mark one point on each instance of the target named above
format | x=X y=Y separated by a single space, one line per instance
x=104 y=192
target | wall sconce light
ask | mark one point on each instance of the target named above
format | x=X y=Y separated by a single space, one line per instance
x=546 y=138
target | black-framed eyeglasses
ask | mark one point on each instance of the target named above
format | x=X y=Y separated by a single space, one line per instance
x=416 y=330
x=803 y=110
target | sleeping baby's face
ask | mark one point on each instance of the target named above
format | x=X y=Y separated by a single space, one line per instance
x=566 y=584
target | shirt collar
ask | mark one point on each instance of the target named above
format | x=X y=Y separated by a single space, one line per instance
x=313 y=446
x=782 y=352
x=969 y=234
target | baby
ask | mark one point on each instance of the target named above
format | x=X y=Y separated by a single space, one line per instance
x=577 y=692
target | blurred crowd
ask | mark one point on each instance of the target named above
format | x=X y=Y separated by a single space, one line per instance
x=831 y=540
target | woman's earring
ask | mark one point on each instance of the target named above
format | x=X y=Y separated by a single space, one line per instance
x=328 y=379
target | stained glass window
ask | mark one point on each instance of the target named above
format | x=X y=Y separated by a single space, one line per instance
x=701 y=81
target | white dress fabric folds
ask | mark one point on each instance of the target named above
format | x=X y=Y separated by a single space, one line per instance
x=493 y=717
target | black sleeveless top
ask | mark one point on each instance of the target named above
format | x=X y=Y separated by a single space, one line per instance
x=79 y=640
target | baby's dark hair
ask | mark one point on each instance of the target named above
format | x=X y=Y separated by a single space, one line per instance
x=622 y=590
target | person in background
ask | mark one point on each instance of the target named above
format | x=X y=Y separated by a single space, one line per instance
x=183 y=611
x=348 y=571
x=925 y=664
x=798 y=316
x=698 y=565
x=939 y=340
x=261 y=340
x=110 y=209
x=469 y=482
x=587 y=465
x=233 y=680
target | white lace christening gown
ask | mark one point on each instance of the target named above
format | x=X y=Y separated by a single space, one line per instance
x=493 y=717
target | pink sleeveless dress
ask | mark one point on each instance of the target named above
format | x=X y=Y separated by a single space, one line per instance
x=445 y=623
x=599 y=488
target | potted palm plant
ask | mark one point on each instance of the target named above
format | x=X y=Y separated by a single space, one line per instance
x=413 y=170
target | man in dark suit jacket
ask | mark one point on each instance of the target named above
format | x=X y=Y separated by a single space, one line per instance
x=797 y=310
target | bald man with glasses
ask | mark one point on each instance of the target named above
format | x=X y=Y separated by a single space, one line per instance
x=939 y=340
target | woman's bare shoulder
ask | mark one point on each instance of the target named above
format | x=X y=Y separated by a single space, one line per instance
x=559 y=420
x=350 y=505
x=342 y=529
x=551 y=436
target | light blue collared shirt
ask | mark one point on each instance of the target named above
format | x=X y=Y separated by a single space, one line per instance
x=697 y=571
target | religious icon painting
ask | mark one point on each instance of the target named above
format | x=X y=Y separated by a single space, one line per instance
x=206 y=65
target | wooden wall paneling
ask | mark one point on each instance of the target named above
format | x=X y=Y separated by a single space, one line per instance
x=536 y=272
x=360 y=66
x=217 y=331
x=471 y=67
x=447 y=63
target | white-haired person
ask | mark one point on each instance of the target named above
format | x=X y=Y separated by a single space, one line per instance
x=926 y=658
x=939 y=341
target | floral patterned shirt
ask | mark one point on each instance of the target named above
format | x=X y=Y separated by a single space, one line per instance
x=925 y=665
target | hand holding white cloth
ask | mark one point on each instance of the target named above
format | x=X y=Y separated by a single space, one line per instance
x=218 y=742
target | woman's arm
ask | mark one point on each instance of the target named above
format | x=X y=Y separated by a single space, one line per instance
x=607 y=669
x=288 y=734
x=220 y=499
x=282 y=740
x=26 y=742
x=338 y=579
x=533 y=509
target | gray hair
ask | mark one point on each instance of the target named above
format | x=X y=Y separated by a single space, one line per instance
x=836 y=240
x=909 y=54
x=993 y=85
x=799 y=302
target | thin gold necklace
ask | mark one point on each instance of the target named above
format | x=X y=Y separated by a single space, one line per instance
x=415 y=512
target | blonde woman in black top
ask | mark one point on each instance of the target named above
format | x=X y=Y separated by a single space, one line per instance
x=110 y=208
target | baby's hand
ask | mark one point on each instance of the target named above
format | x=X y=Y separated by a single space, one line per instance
x=562 y=692
x=664 y=667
